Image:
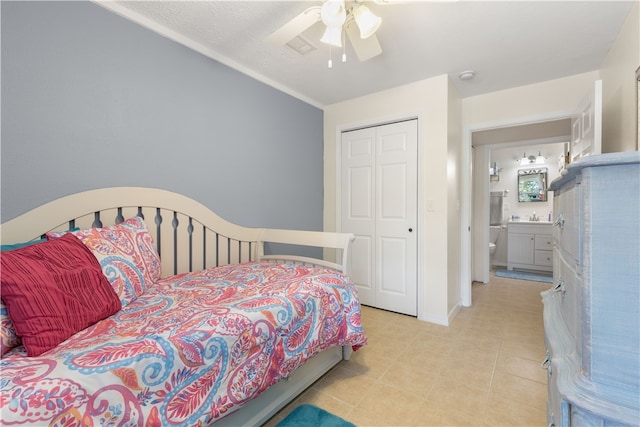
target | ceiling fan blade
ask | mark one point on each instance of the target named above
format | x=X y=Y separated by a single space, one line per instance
x=294 y=27
x=365 y=48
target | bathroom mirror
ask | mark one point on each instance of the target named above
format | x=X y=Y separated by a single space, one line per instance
x=532 y=185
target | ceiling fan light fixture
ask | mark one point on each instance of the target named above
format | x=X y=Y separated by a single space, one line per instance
x=368 y=23
x=333 y=13
x=332 y=36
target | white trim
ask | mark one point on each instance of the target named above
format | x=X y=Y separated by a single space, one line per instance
x=486 y=189
x=465 y=222
x=139 y=19
x=527 y=142
x=422 y=236
x=438 y=320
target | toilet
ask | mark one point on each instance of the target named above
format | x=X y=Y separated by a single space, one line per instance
x=494 y=232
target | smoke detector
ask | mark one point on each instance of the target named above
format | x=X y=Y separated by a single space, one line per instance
x=466 y=75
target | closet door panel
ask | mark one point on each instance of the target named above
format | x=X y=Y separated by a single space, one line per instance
x=357 y=207
x=396 y=216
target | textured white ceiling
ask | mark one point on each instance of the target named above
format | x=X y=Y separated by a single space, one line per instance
x=507 y=43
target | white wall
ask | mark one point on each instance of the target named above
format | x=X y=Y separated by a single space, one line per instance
x=429 y=101
x=619 y=88
x=527 y=104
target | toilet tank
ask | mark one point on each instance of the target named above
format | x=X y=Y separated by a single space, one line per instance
x=494 y=232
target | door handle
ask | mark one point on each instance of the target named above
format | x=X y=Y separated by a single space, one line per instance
x=410 y=230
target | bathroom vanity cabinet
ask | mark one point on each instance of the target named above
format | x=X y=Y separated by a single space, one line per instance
x=530 y=246
x=592 y=312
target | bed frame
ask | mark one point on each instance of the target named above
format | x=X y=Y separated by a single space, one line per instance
x=190 y=237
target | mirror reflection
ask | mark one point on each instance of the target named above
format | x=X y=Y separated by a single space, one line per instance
x=532 y=185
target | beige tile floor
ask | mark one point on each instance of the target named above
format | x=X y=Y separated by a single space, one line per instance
x=482 y=370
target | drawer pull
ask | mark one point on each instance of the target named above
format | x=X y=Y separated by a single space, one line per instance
x=559 y=222
x=559 y=287
x=547 y=363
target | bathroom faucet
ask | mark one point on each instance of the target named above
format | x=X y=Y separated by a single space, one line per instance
x=534 y=217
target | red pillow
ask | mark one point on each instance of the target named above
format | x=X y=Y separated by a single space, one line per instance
x=53 y=290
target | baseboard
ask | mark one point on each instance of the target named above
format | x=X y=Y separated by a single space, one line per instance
x=439 y=320
x=454 y=311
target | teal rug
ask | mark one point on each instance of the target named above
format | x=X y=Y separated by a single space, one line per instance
x=524 y=275
x=312 y=416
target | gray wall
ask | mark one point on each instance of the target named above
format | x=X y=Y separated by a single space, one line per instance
x=90 y=100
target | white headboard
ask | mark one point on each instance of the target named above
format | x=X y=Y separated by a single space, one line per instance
x=188 y=235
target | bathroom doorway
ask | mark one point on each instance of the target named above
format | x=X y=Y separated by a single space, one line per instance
x=505 y=146
x=584 y=116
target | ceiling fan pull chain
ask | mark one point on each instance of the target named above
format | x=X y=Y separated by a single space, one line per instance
x=330 y=63
x=344 y=45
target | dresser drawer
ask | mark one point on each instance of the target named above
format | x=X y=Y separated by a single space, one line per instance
x=544 y=242
x=567 y=284
x=580 y=417
x=559 y=344
x=567 y=221
x=544 y=258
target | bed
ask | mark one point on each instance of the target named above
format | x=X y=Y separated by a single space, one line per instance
x=193 y=322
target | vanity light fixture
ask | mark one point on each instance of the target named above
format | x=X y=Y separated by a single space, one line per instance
x=527 y=160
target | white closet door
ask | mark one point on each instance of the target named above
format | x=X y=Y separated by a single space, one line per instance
x=358 y=207
x=379 y=205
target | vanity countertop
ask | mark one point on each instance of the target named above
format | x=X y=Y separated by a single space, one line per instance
x=526 y=221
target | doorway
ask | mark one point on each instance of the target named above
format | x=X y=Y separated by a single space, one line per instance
x=584 y=136
x=520 y=137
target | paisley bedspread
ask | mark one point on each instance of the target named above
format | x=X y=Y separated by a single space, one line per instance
x=189 y=351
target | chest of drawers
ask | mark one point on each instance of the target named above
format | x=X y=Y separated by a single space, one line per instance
x=592 y=313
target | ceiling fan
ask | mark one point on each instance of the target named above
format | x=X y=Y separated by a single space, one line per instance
x=353 y=18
